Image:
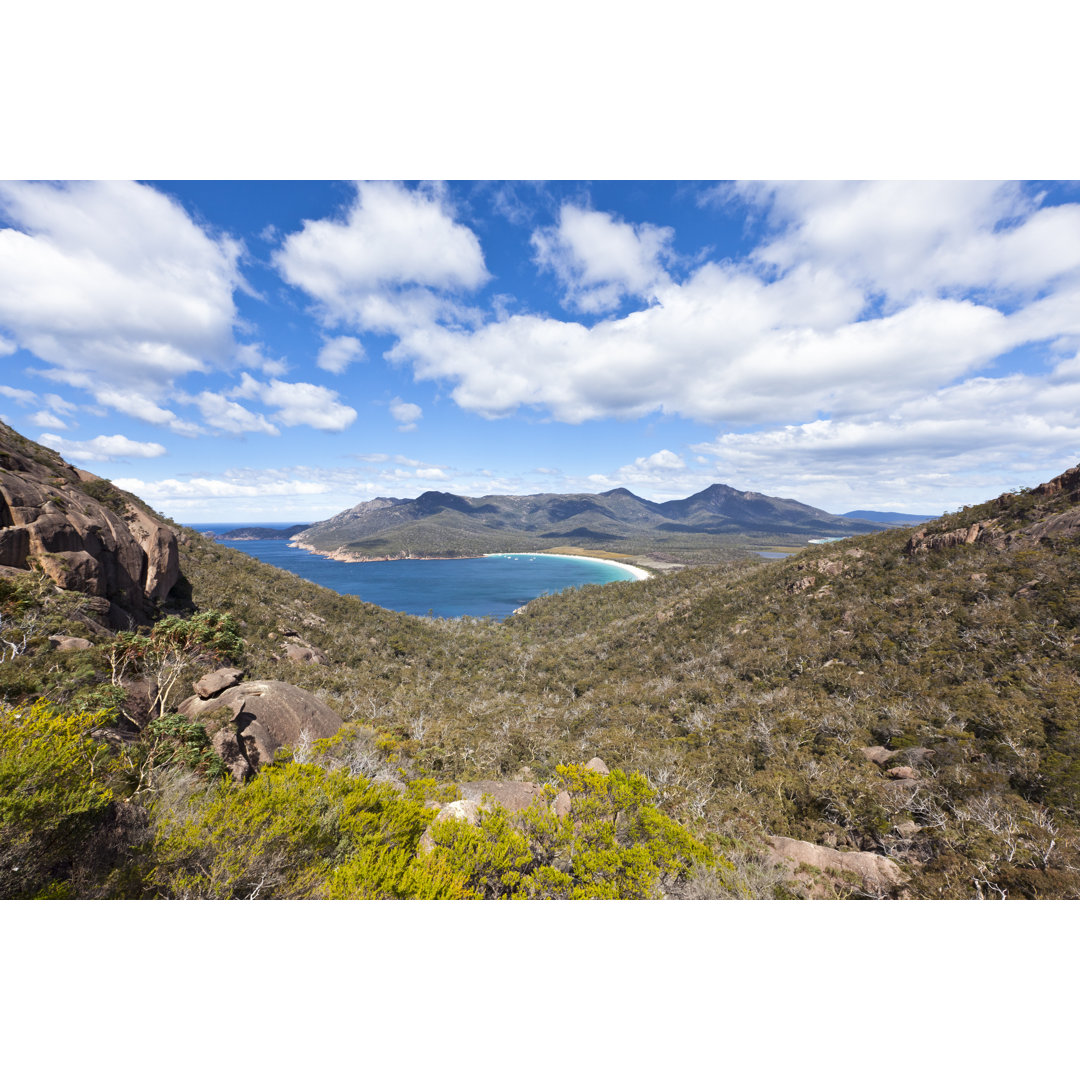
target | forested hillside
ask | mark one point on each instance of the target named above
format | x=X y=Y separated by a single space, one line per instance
x=439 y=523
x=906 y=705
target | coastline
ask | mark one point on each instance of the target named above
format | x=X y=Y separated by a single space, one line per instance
x=351 y=557
x=640 y=573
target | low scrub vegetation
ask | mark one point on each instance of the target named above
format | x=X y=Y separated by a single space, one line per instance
x=923 y=706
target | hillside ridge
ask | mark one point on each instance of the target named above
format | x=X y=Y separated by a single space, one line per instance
x=443 y=523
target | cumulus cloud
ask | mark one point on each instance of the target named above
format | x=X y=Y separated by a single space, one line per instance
x=113 y=286
x=660 y=475
x=859 y=295
x=967 y=437
x=251 y=356
x=308 y=492
x=916 y=238
x=662 y=459
x=599 y=260
x=7 y=347
x=405 y=413
x=299 y=403
x=23 y=397
x=230 y=416
x=248 y=484
x=43 y=418
x=392 y=246
x=141 y=407
x=724 y=346
x=102 y=448
x=59 y=404
x=338 y=353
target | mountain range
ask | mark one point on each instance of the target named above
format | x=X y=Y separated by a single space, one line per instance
x=442 y=523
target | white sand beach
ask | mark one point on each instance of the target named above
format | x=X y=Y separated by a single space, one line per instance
x=639 y=573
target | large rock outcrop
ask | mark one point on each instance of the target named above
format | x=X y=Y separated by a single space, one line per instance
x=876 y=875
x=249 y=722
x=82 y=532
x=1021 y=519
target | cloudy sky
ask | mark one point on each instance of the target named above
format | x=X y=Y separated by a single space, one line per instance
x=273 y=351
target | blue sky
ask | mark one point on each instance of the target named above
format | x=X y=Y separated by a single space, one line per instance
x=283 y=350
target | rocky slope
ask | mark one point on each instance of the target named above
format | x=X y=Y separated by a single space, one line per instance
x=81 y=532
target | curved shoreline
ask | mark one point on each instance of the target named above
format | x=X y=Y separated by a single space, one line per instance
x=639 y=573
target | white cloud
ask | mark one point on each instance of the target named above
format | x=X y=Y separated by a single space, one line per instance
x=721 y=347
x=25 y=398
x=660 y=475
x=862 y=295
x=405 y=413
x=102 y=448
x=960 y=444
x=662 y=459
x=114 y=286
x=917 y=238
x=599 y=260
x=225 y=415
x=43 y=418
x=59 y=405
x=251 y=356
x=299 y=403
x=390 y=239
x=253 y=484
x=132 y=403
x=7 y=347
x=338 y=353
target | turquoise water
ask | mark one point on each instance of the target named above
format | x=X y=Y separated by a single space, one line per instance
x=492 y=586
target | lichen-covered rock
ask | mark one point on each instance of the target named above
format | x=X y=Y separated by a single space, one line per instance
x=877 y=875
x=510 y=794
x=467 y=810
x=215 y=681
x=597 y=765
x=266 y=715
x=300 y=653
x=901 y=772
x=62 y=643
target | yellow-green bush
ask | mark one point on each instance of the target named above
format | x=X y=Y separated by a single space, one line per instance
x=613 y=844
x=294 y=831
x=56 y=785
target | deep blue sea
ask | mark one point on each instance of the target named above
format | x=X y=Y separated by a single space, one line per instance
x=491 y=586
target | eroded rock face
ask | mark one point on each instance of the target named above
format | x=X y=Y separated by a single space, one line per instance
x=1054 y=514
x=258 y=718
x=52 y=518
x=980 y=533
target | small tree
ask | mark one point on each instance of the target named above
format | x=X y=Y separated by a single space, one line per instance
x=173 y=647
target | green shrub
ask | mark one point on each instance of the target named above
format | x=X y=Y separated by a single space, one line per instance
x=612 y=845
x=295 y=831
x=56 y=787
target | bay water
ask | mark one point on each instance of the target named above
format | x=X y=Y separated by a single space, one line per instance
x=492 y=586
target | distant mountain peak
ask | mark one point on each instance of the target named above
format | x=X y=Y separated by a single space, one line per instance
x=442 y=523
